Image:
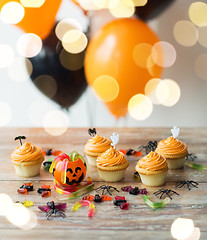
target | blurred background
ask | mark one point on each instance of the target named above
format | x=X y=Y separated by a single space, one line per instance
x=103 y=63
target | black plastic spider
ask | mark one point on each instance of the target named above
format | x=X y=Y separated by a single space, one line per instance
x=20 y=138
x=163 y=191
x=106 y=188
x=151 y=146
x=92 y=132
x=189 y=183
x=52 y=208
x=191 y=157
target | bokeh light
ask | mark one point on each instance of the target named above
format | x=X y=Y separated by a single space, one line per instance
x=106 y=88
x=185 y=33
x=20 y=70
x=71 y=61
x=139 y=3
x=74 y=41
x=140 y=107
x=66 y=25
x=151 y=88
x=201 y=66
x=12 y=13
x=47 y=85
x=122 y=9
x=168 y=92
x=196 y=234
x=32 y=3
x=29 y=45
x=202 y=36
x=88 y=4
x=198 y=13
x=6 y=55
x=163 y=54
x=141 y=54
x=18 y=215
x=6 y=204
x=55 y=123
x=6 y=114
x=182 y=228
x=100 y=4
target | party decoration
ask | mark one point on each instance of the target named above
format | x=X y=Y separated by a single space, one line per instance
x=151 y=146
x=152 y=9
x=109 y=55
x=175 y=131
x=114 y=139
x=188 y=183
x=37 y=20
x=163 y=191
x=106 y=188
x=69 y=169
x=52 y=78
x=20 y=138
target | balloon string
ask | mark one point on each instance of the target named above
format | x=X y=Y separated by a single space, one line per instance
x=77 y=4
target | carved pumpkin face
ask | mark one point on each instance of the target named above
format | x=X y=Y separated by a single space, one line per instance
x=72 y=173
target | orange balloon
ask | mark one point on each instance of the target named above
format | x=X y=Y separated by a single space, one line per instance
x=38 y=20
x=110 y=52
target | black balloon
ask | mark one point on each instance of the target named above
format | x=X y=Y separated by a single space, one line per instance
x=54 y=75
x=152 y=9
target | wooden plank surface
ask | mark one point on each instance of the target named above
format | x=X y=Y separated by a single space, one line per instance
x=109 y=222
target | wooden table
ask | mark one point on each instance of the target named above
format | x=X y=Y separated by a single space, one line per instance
x=109 y=222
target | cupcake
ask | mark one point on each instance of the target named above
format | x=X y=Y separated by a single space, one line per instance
x=112 y=165
x=27 y=160
x=152 y=169
x=95 y=147
x=174 y=151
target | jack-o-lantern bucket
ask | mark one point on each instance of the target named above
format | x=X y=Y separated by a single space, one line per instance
x=70 y=169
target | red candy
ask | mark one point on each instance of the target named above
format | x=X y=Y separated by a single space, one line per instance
x=88 y=197
x=22 y=191
x=123 y=151
x=119 y=198
x=106 y=198
x=124 y=206
x=46 y=186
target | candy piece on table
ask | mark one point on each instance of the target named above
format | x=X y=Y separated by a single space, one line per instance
x=46 y=194
x=156 y=204
x=46 y=186
x=78 y=193
x=85 y=203
x=126 y=188
x=134 y=191
x=106 y=198
x=47 y=164
x=22 y=191
x=89 y=180
x=76 y=206
x=50 y=152
x=143 y=191
x=123 y=151
x=119 y=198
x=28 y=186
x=119 y=202
x=27 y=203
x=64 y=170
x=124 y=206
x=196 y=166
x=91 y=212
x=88 y=197
x=136 y=176
x=44 y=208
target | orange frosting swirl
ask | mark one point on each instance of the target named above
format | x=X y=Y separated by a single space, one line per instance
x=152 y=162
x=97 y=144
x=111 y=157
x=26 y=152
x=171 y=146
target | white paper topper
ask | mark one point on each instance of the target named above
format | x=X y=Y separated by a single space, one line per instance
x=114 y=139
x=175 y=131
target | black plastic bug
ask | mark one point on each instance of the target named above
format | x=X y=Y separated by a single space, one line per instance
x=97 y=198
x=20 y=138
x=163 y=191
x=151 y=146
x=106 y=188
x=189 y=183
x=191 y=157
x=41 y=190
x=52 y=208
x=92 y=132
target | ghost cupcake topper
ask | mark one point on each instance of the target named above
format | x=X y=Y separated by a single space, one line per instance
x=175 y=131
x=114 y=139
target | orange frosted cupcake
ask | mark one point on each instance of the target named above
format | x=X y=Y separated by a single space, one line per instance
x=112 y=165
x=174 y=151
x=27 y=160
x=95 y=147
x=152 y=169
